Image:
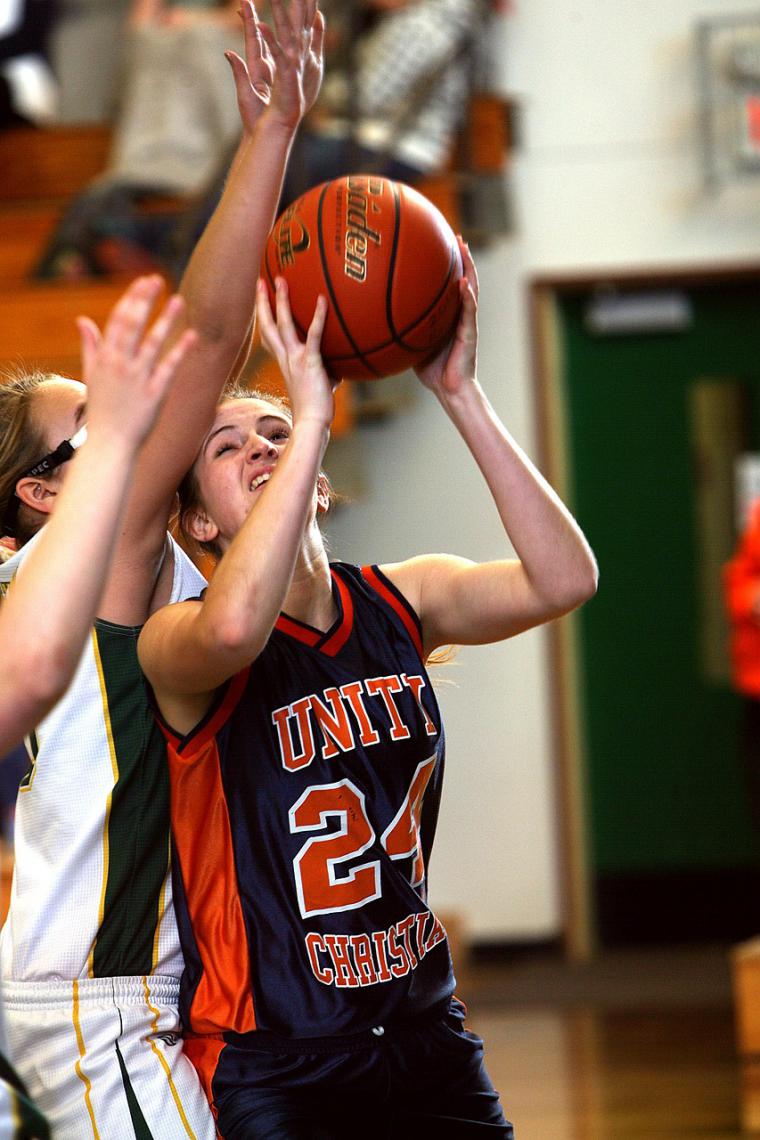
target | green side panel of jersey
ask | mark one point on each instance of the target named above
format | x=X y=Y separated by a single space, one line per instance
x=138 y=827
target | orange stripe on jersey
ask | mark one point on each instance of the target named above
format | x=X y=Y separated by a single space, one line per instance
x=201 y=824
x=388 y=596
x=337 y=640
x=208 y=728
x=204 y=1054
x=300 y=632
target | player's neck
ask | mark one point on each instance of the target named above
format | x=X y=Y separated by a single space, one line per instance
x=309 y=598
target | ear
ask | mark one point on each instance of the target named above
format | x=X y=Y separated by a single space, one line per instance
x=36 y=494
x=323 y=494
x=200 y=526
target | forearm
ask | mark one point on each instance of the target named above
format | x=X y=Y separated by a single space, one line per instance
x=219 y=291
x=53 y=601
x=219 y=283
x=248 y=588
x=555 y=556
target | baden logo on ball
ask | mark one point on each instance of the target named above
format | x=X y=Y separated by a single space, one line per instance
x=388 y=263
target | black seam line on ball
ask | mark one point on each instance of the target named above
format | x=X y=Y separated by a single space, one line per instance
x=326 y=273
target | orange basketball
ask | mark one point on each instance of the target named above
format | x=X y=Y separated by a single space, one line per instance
x=386 y=260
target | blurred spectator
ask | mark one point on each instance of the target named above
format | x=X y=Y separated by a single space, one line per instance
x=394 y=98
x=28 y=90
x=176 y=125
x=177 y=112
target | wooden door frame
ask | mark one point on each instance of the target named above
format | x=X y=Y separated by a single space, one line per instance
x=569 y=758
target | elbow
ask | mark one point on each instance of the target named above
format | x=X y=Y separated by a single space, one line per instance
x=228 y=637
x=42 y=676
x=225 y=635
x=577 y=589
x=588 y=583
x=211 y=331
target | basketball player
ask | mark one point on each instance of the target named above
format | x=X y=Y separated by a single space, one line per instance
x=306 y=756
x=90 y=955
x=43 y=630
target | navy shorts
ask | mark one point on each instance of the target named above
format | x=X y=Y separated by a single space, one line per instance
x=421 y=1078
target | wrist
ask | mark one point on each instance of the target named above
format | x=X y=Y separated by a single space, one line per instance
x=468 y=394
x=111 y=445
x=311 y=425
x=277 y=124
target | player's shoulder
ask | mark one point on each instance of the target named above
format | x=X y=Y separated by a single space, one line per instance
x=411 y=575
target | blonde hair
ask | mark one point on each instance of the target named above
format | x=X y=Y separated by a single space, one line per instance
x=22 y=443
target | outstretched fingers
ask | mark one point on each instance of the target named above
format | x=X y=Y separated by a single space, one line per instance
x=268 y=331
x=129 y=369
x=251 y=34
x=129 y=319
x=155 y=341
x=467 y=326
x=295 y=41
x=279 y=333
x=318 y=35
x=89 y=339
x=468 y=264
x=258 y=57
x=290 y=23
x=285 y=322
x=253 y=75
x=161 y=376
x=317 y=327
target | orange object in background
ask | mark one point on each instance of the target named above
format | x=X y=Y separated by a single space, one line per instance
x=741 y=582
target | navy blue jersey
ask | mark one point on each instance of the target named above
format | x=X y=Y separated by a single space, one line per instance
x=304 y=808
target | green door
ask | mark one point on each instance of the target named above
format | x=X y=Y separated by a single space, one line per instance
x=673 y=854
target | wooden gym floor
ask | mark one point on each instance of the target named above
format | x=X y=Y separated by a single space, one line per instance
x=638 y=1045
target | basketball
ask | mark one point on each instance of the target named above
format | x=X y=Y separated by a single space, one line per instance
x=386 y=260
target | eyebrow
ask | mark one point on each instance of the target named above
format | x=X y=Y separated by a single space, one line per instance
x=262 y=421
x=275 y=420
x=216 y=432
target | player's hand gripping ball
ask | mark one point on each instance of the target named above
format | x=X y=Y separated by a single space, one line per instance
x=386 y=260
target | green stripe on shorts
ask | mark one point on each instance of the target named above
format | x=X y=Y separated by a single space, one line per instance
x=142 y=1132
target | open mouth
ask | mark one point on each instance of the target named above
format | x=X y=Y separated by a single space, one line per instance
x=260 y=480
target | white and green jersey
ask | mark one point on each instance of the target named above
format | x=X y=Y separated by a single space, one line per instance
x=91 y=894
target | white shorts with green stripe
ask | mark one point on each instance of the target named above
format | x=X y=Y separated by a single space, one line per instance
x=103 y=1059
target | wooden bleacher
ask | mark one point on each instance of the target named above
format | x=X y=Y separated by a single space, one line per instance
x=745 y=962
x=50 y=165
x=41 y=171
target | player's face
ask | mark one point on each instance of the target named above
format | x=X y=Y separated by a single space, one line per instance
x=237 y=459
x=59 y=409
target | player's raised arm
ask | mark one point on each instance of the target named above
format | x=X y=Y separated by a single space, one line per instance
x=50 y=606
x=193 y=647
x=275 y=85
x=462 y=602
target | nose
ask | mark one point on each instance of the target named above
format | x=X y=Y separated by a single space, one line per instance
x=261 y=446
